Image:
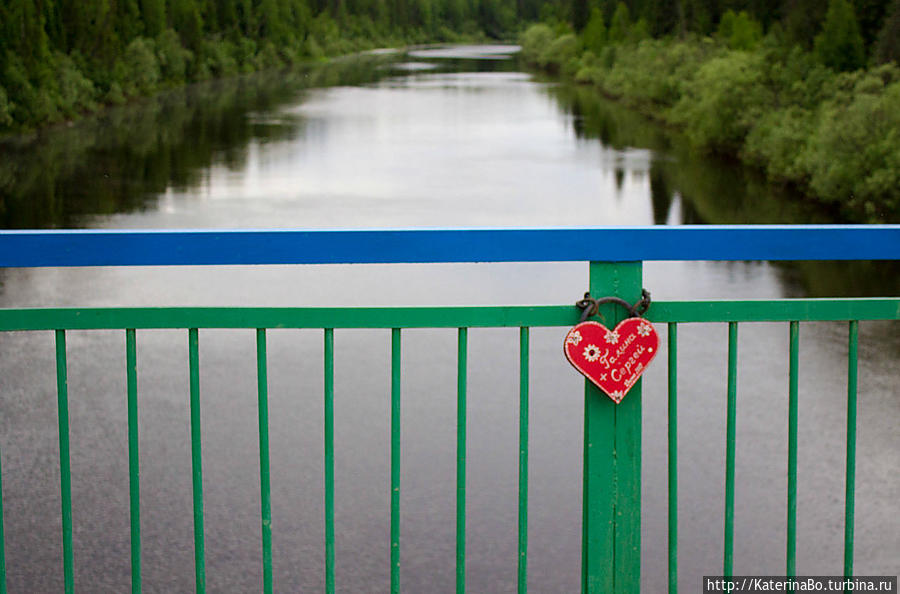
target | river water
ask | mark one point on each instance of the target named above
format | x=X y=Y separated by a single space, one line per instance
x=442 y=137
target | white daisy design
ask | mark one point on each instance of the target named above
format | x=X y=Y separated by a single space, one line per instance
x=591 y=352
x=574 y=337
x=645 y=329
x=618 y=395
x=612 y=337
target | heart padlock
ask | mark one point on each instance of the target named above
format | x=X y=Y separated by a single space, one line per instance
x=613 y=360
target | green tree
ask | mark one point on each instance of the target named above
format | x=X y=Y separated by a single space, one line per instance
x=740 y=31
x=854 y=155
x=22 y=33
x=724 y=101
x=454 y=13
x=534 y=40
x=270 y=21
x=173 y=58
x=128 y=23
x=620 y=25
x=187 y=22
x=640 y=30
x=153 y=13
x=840 y=45
x=138 y=69
x=594 y=36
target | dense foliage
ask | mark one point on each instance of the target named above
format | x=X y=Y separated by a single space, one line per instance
x=814 y=107
x=125 y=157
x=59 y=58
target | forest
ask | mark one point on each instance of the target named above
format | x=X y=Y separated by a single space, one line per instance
x=60 y=58
x=806 y=90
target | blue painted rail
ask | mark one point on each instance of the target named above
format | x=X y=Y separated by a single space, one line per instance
x=611 y=525
x=607 y=244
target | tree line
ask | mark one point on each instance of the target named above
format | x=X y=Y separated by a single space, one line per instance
x=59 y=58
x=876 y=21
x=870 y=27
x=816 y=108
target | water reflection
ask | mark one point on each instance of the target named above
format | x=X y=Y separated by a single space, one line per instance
x=707 y=189
x=661 y=196
x=719 y=190
x=460 y=53
x=122 y=160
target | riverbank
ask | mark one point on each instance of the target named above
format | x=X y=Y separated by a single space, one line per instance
x=834 y=136
x=60 y=61
x=152 y=66
x=51 y=177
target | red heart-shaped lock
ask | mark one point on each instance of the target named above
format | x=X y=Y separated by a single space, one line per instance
x=612 y=359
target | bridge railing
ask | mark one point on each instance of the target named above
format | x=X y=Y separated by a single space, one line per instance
x=611 y=520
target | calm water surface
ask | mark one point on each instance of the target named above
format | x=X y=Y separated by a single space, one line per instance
x=439 y=137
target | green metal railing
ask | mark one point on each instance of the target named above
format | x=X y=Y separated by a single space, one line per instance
x=611 y=547
x=607 y=426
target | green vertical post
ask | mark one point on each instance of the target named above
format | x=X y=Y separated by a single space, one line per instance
x=265 y=494
x=395 y=461
x=329 y=460
x=196 y=460
x=673 y=457
x=731 y=419
x=523 y=461
x=461 y=377
x=65 y=468
x=611 y=516
x=850 y=484
x=793 y=381
x=134 y=483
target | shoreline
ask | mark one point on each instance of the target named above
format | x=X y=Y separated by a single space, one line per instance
x=803 y=131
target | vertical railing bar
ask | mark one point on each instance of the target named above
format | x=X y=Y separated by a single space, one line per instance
x=523 y=460
x=329 y=460
x=2 y=538
x=461 y=385
x=850 y=495
x=265 y=494
x=134 y=484
x=196 y=460
x=673 y=457
x=793 y=373
x=65 y=469
x=395 y=460
x=728 y=556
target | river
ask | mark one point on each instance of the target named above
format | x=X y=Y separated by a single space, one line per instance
x=440 y=137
